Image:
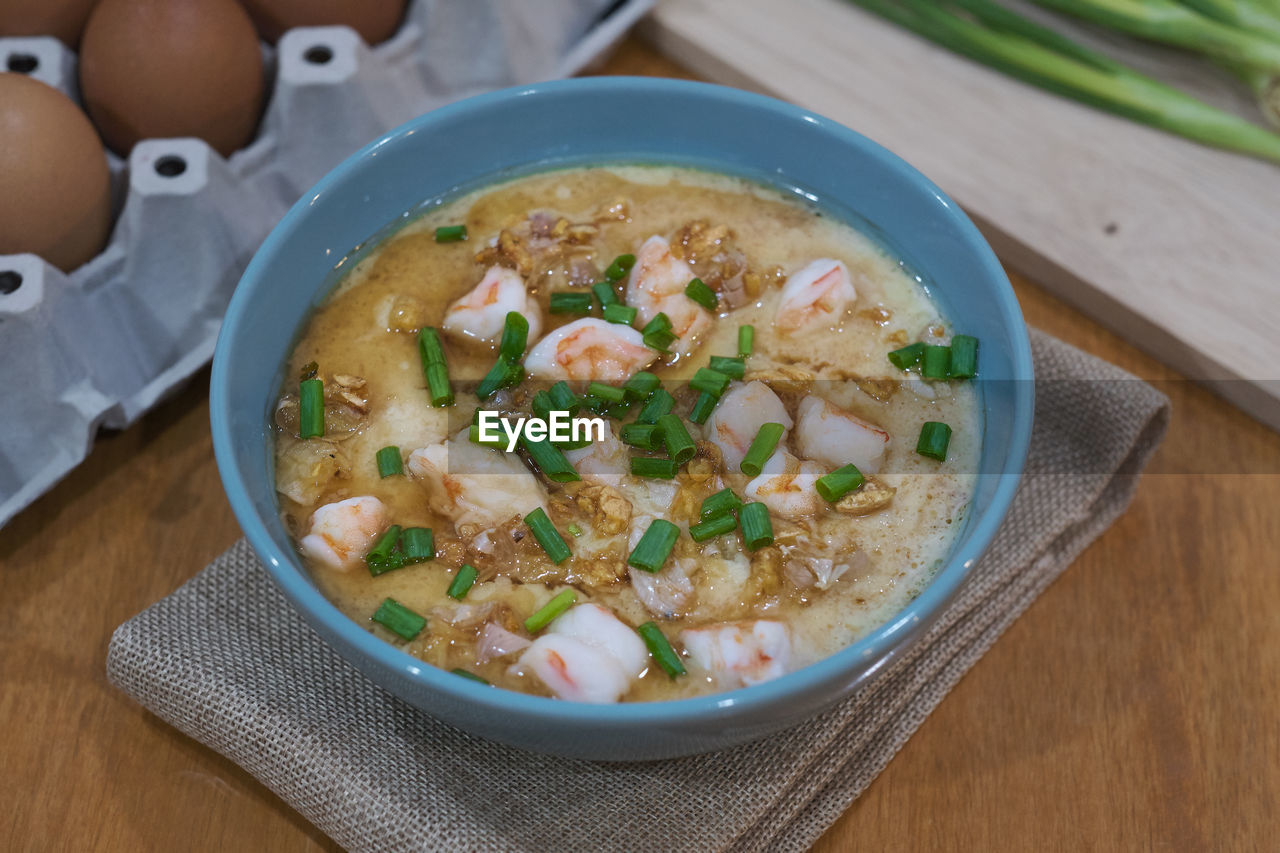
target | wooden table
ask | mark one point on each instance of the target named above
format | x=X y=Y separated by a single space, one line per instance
x=1134 y=705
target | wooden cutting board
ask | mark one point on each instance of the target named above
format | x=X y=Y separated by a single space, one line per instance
x=1174 y=245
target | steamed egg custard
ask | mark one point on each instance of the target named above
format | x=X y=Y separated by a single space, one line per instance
x=626 y=434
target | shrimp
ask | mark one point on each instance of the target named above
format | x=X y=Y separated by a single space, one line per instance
x=476 y=485
x=342 y=532
x=657 y=284
x=827 y=433
x=786 y=486
x=605 y=461
x=818 y=294
x=742 y=411
x=482 y=313
x=587 y=655
x=668 y=593
x=739 y=654
x=590 y=349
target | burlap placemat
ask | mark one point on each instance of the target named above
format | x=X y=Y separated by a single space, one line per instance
x=225 y=660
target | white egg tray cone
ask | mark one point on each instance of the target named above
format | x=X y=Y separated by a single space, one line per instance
x=100 y=346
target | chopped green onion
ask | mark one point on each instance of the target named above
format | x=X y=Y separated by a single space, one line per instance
x=722 y=502
x=654 y=546
x=473 y=433
x=515 y=337
x=594 y=404
x=645 y=436
x=547 y=535
x=570 y=303
x=399 y=620
x=605 y=293
x=462 y=582
x=658 y=469
x=657 y=332
x=934 y=438
x=310 y=408
x=389 y=461
x=715 y=526
x=549 y=460
x=660 y=323
x=451 y=233
x=702 y=407
x=546 y=614
x=660 y=648
x=503 y=374
x=679 y=444
x=964 y=357
x=606 y=392
x=757 y=529
x=418 y=544
x=562 y=397
x=660 y=340
x=762 y=447
x=617 y=411
x=623 y=315
x=735 y=368
x=936 y=362
x=907 y=357
x=698 y=291
x=542 y=405
x=659 y=403
x=709 y=381
x=574 y=529
x=839 y=483
x=434 y=367
x=746 y=340
x=469 y=675
x=620 y=267
x=384 y=556
x=641 y=385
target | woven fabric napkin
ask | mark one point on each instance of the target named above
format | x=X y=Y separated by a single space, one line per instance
x=225 y=660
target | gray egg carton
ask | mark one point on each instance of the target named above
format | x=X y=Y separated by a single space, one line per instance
x=100 y=346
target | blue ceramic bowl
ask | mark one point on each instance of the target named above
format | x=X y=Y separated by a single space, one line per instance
x=594 y=121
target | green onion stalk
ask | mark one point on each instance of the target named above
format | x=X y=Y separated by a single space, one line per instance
x=989 y=33
x=1242 y=35
x=1262 y=18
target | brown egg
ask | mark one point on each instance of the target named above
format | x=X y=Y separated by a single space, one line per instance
x=62 y=19
x=374 y=20
x=53 y=176
x=162 y=68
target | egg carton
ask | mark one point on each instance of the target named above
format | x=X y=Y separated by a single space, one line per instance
x=100 y=346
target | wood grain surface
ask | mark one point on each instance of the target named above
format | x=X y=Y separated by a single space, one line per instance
x=1134 y=706
x=1171 y=243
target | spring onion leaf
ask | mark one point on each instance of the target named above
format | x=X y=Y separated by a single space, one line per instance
x=839 y=483
x=462 y=582
x=389 y=462
x=547 y=613
x=654 y=547
x=570 y=303
x=310 y=408
x=675 y=436
x=660 y=648
x=934 y=439
x=762 y=447
x=451 y=233
x=757 y=529
x=547 y=535
x=399 y=620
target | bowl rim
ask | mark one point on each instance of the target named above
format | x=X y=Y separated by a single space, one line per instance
x=290 y=576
